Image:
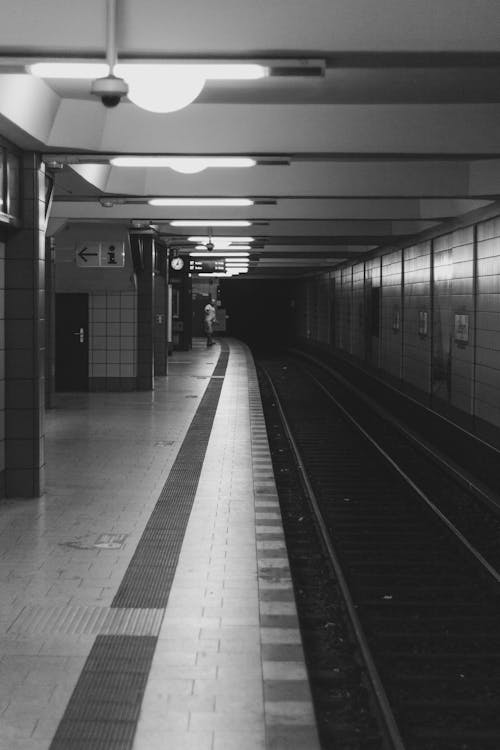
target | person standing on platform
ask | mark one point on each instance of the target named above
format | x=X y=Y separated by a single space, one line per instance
x=209 y=311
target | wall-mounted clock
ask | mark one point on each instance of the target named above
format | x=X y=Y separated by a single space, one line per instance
x=177 y=263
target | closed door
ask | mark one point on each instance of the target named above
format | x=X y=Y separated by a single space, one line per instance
x=72 y=349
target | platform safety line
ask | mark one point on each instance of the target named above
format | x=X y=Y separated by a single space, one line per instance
x=288 y=707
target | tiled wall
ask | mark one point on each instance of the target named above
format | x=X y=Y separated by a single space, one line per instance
x=113 y=340
x=391 y=314
x=345 y=305
x=2 y=369
x=324 y=309
x=488 y=322
x=453 y=290
x=358 y=310
x=417 y=315
x=372 y=300
x=439 y=319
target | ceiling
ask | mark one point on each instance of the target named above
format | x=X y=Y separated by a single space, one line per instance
x=380 y=121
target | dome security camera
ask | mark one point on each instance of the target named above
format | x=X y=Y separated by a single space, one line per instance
x=210 y=246
x=110 y=90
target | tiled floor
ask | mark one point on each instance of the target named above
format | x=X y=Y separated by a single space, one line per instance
x=228 y=670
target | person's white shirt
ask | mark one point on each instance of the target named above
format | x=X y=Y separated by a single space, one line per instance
x=209 y=312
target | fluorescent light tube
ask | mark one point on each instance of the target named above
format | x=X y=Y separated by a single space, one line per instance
x=200 y=202
x=209 y=223
x=224 y=240
x=69 y=70
x=219 y=254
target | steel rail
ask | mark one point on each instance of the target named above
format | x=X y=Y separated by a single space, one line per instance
x=492 y=500
x=495 y=574
x=389 y=725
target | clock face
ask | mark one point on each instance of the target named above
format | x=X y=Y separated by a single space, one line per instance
x=177 y=264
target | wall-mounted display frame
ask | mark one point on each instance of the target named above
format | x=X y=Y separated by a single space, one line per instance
x=423 y=323
x=461 y=328
x=396 y=319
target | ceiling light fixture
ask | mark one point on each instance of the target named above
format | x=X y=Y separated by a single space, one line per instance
x=200 y=202
x=156 y=87
x=223 y=246
x=169 y=87
x=184 y=164
x=163 y=86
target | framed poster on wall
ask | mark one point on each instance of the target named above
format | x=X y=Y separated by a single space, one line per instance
x=423 y=326
x=461 y=328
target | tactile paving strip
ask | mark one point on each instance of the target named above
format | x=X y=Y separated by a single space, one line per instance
x=149 y=576
x=104 y=707
x=75 y=620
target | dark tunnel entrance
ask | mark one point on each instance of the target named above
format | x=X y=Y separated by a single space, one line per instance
x=261 y=313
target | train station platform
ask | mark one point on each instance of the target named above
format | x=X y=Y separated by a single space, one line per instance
x=146 y=597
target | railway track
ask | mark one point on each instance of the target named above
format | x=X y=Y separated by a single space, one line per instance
x=416 y=550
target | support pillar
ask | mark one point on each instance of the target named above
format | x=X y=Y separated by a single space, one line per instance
x=161 y=312
x=145 y=312
x=24 y=339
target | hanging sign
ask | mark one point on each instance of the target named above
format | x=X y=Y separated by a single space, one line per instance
x=217 y=265
x=107 y=254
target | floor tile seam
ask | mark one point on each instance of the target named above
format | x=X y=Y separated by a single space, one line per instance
x=269 y=605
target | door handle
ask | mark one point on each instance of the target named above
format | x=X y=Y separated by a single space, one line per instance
x=81 y=334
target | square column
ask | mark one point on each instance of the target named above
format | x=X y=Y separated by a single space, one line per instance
x=24 y=338
x=145 y=316
x=160 y=311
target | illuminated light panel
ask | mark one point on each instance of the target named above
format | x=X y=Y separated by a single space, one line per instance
x=216 y=223
x=221 y=240
x=208 y=71
x=224 y=246
x=200 y=202
x=216 y=254
x=221 y=273
x=234 y=71
x=204 y=71
x=69 y=70
x=184 y=164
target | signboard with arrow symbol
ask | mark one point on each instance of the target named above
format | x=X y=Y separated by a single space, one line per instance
x=100 y=254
